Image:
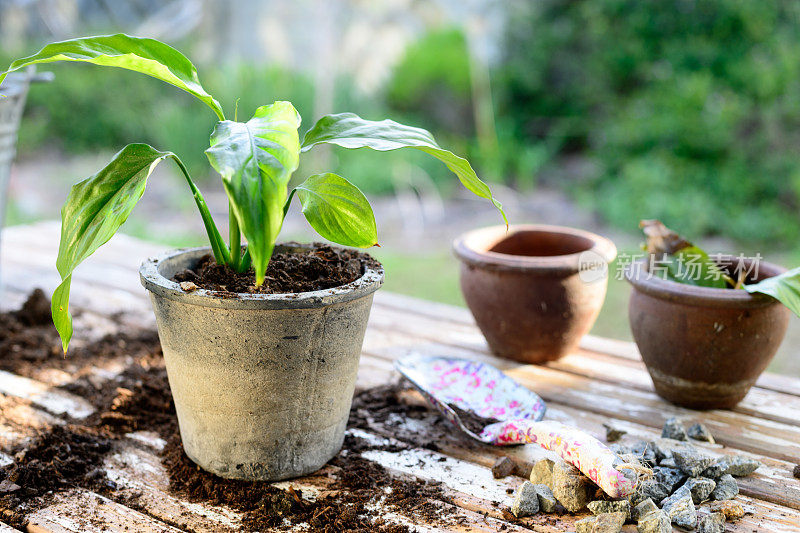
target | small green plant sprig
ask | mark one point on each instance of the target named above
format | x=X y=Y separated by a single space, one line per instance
x=686 y=263
x=255 y=159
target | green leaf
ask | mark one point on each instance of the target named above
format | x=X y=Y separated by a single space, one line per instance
x=351 y=131
x=147 y=56
x=692 y=266
x=684 y=262
x=93 y=212
x=338 y=210
x=256 y=159
x=785 y=288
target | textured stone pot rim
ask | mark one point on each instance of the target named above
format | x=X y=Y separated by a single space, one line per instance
x=150 y=274
x=473 y=246
x=672 y=291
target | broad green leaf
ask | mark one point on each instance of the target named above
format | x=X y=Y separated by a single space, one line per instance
x=338 y=210
x=692 y=266
x=351 y=131
x=256 y=159
x=684 y=262
x=785 y=288
x=147 y=56
x=93 y=212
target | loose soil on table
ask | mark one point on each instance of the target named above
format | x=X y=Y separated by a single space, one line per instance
x=70 y=455
x=472 y=421
x=322 y=267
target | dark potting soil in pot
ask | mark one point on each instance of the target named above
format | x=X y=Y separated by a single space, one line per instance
x=71 y=455
x=322 y=267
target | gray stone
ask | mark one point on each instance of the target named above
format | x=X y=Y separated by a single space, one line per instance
x=735 y=465
x=673 y=429
x=526 y=501
x=613 y=434
x=643 y=508
x=700 y=488
x=244 y=347
x=570 y=487
x=726 y=488
x=611 y=506
x=502 y=467
x=652 y=489
x=692 y=461
x=682 y=512
x=741 y=466
x=547 y=502
x=668 y=462
x=712 y=523
x=619 y=449
x=718 y=468
x=679 y=494
x=700 y=432
x=542 y=472
x=604 y=523
x=654 y=522
x=670 y=478
x=644 y=452
x=609 y=523
x=665 y=447
x=586 y=525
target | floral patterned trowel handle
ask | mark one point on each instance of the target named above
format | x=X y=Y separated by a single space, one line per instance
x=453 y=385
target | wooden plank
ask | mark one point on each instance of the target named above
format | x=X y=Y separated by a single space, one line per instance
x=454 y=444
x=785 y=409
x=768 y=405
x=81 y=511
x=444 y=313
x=141 y=475
x=52 y=400
x=141 y=479
x=773 y=488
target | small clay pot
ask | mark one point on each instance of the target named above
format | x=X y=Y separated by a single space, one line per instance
x=704 y=347
x=534 y=290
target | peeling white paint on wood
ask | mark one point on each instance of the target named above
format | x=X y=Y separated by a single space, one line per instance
x=48 y=398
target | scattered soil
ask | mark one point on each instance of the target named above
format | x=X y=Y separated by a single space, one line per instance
x=59 y=458
x=71 y=455
x=322 y=267
x=473 y=421
x=347 y=505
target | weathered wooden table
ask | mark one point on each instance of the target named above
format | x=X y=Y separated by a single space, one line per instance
x=605 y=381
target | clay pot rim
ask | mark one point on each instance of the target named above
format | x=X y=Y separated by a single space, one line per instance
x=473 y=246
x=681 y=293
x=153 y=279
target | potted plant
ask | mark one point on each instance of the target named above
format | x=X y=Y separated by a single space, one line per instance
x=13 y=93
x=262 y=382
x=534 y=290
x=706 y=327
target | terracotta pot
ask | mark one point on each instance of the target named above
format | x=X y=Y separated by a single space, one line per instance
x=704 y=348
x=534 y=290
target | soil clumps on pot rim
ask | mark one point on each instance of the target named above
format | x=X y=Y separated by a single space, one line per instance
x=321 y=267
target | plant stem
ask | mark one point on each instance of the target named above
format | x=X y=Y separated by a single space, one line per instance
x=221 y=254
x=235 y=238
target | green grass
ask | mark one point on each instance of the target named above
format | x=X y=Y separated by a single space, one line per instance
x=431 y=276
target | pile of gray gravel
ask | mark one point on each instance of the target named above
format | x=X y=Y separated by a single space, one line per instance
x=684 y=476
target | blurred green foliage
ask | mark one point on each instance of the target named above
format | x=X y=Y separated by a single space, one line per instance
x=688 y=109
x=88 y=108
x=683 y=110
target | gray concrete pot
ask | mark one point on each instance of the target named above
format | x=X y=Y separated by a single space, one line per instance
x=262 y=383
